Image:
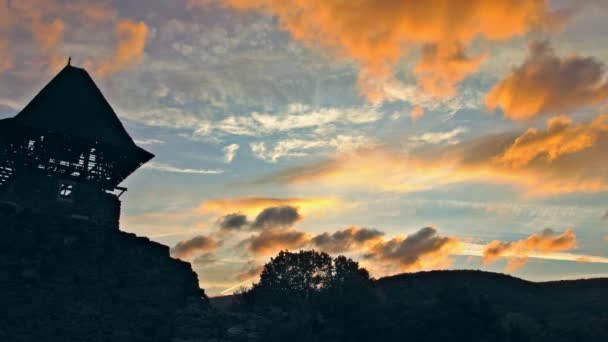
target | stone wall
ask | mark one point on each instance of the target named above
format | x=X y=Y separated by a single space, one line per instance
x=69 y=280
x=40 y=194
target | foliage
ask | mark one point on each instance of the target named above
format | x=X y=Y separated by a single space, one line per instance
x=306 y=277
x=309 y=296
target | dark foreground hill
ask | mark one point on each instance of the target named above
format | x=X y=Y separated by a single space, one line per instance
x=70 y=280
x=471 y=302
x=438 y=306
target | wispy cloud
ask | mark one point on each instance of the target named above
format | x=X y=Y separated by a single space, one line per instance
x=12 y=104
x=517 y=252
x=297 y=116
x=467 y=98
x=293 y=147
x=471 y=249
x=439 y=137
x=230 y=152
x=149 y=141
x=173 y=169
x=559 y=167
x=253 y=205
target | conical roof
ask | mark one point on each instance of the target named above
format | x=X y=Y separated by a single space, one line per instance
x=73 y=119
x=72 y=104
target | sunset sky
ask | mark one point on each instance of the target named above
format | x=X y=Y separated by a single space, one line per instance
x=409 y=135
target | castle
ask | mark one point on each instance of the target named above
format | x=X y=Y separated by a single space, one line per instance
x=66 y=153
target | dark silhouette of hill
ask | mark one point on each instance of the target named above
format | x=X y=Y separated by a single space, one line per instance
x=552 y=311
x=424 y=306
x=63 y=279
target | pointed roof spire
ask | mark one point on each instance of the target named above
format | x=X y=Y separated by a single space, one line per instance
x=72 y=104
x=75 y=114
x=70 y=61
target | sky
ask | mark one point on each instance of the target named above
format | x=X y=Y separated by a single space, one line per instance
x=407 y=135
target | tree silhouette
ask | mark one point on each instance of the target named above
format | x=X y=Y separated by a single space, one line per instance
x=347 y=274
x=298 y=275
x=307 y=276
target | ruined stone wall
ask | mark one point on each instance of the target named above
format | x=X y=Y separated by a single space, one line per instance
x=68 y=280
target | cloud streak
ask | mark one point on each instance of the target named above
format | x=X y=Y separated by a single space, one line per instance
x=252 y=206
x=439 y=137
x=564 y=158
x=301 y=147
x=174 y=169
x=517 y=252
x=296 y=116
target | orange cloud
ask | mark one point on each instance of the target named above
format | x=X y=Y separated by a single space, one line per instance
x=5 y=15
x=269 y=242
x=367 y=168
x=419 y=251
x=130 y=47
x=347 y=240
x=251 y=270
x=442 y=67
x=548 y=84
x=93 y=13
x=46 y=20
x=38 y=17
x=196 y=245
x=416 y=113
x=561 y=137
x=378 y=34
x=50 y=34
x=48 y=31
x=583 y=258
x=565 y=158
x=5 y=59
x=251 y=206
x=518 y=252
x=424 y=249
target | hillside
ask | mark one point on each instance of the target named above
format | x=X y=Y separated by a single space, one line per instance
x=70 y=280
x=555 y=311
x=440 y=305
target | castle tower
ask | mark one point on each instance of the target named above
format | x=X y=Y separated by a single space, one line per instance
x=67 y=152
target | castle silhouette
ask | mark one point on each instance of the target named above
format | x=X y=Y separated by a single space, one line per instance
x=66 y=153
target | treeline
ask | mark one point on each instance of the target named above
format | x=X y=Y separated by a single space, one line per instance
x=310 y=296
